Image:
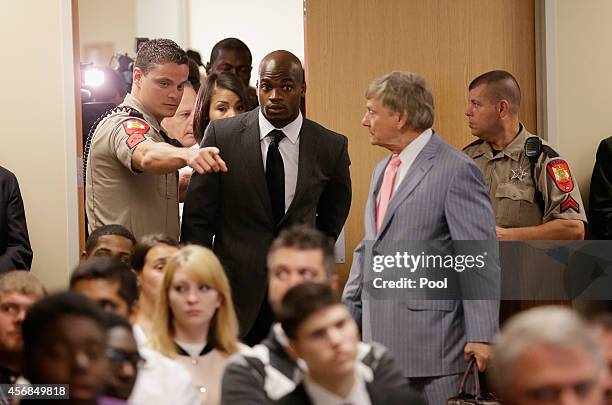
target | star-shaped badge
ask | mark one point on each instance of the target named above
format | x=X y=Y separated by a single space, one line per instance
x=518 y=174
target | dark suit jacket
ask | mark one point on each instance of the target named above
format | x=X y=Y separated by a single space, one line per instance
x=379 y=395
x=15 y=250
x=235 y=207
x=600 y=201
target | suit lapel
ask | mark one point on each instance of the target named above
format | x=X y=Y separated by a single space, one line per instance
x=253 y=160
x=306 y=163
x=419 y=168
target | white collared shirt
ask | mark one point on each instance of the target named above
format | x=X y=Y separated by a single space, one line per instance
x=289 y=149
x=408 y=156
x=321 y=396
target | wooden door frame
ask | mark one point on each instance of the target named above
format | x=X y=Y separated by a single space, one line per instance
x=546 y=70
x=76 y=52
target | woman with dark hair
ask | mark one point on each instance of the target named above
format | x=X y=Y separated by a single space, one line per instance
x=221 y=96
x=149 y=261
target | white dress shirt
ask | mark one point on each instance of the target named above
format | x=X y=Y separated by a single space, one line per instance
x=407 y=157
x=289 y=149
x=320 y=396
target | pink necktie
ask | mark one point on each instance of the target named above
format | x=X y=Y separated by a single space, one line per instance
x=387 y=189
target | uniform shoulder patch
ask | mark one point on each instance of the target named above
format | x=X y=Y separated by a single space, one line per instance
x=559 y=171
x=135 y=129
x=135 y=125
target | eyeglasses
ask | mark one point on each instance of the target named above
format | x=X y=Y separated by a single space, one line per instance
x=119 y=357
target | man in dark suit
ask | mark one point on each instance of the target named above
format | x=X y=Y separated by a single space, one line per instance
x=283 y=169
x=322 y=333
x=15 y=250
x=600 y=201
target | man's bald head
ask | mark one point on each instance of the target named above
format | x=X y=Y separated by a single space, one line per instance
x=282 y=60
x=280 y=87
x=501 y=85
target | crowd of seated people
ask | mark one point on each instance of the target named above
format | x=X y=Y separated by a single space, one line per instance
x=86 y=337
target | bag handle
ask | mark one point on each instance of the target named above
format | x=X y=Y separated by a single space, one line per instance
x=473 y=367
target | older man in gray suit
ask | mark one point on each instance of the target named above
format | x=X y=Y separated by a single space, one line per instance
x=426 y=190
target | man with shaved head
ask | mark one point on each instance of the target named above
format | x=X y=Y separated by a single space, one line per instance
x=533 y=198
x=532 y=191
x=283 y=169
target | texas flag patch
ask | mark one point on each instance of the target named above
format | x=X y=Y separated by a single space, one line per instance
x=568 y=203
x=559 y=171
x=136 y=130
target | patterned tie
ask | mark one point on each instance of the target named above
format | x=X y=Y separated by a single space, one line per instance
x=275 y=175
x=387 y=189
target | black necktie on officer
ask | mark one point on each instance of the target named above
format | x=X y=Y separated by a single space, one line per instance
x=275 y=175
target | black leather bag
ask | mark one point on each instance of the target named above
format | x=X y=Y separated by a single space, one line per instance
x=463 y=398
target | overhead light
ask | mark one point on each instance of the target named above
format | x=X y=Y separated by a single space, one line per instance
x=93 y=77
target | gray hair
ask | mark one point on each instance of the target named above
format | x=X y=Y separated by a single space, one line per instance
x=548 y=325
x=407 y=93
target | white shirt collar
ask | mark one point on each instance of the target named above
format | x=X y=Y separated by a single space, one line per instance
x=321 y=396
x=410 y=152
x=291 y=130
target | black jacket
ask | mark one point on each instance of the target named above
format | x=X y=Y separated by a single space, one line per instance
x=600 y=201
x=15 y=250
x=235 y=207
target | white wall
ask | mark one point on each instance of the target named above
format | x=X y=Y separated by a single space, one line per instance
x=264 y=25
x=107 y=22
x=38 y=128
x=578 y=82
x=584 y=84
x=162 y=19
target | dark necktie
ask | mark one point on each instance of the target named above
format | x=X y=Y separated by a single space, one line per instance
x=275 y=175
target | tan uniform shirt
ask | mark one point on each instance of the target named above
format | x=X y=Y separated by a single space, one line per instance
x=512 y=185
x=144 y=203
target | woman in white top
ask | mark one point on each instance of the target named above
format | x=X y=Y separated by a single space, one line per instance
x=149 y=261
x=194 y=320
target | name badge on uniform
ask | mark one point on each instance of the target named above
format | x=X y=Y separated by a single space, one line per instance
x=559 y=171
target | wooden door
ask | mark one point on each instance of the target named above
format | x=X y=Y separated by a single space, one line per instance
x=448 y=42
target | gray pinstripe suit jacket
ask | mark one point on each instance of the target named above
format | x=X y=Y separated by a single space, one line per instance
x=442 y=197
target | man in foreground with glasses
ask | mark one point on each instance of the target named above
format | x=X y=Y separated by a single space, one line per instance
x=123 y=356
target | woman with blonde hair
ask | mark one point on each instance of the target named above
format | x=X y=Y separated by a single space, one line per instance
x=194 y=320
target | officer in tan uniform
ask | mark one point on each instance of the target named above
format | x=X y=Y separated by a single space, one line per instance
x=131 y=165
x=535 y=198
x=533 y=193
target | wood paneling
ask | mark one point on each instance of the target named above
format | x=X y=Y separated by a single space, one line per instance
x=448 y=42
